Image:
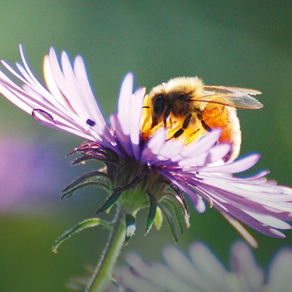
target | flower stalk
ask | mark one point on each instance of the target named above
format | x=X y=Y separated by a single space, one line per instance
x=110 y=254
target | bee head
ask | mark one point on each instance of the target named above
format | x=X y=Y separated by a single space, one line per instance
x=174 y=97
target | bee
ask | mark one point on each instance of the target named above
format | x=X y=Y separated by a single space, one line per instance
x=189 y=109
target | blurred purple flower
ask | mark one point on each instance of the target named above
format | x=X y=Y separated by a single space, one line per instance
x=26 y=175
x=197 y=169
x=201 y=271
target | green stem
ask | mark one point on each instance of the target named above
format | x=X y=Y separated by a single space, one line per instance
x=110 y=254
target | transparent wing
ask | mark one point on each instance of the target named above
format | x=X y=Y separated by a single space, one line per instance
x=231 y=96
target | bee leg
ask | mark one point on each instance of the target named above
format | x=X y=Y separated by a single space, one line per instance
x=166 y=114
x=184 y=126
x=204 y=125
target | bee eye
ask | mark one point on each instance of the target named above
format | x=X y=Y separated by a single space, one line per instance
x=159 y=104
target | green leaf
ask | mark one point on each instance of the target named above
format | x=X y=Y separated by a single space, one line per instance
x=109 y=202
x=174 y=211
x=158 y=220
x=86 y=179
x=181 y=199
x=93 y=222
x=171 y=220
x=86 y=184
x=181 y=212
x=130 y=227
x=185 y=210
x=137 y=179
x=152 y=212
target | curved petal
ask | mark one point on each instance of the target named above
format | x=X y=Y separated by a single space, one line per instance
x=73 y=107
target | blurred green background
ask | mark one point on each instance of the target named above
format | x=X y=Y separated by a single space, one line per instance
x=232 y=43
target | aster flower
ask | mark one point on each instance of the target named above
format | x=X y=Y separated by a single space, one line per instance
x=202 y=271
x=155 y=172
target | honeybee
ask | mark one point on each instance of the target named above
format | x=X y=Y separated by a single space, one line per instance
x=189 y=109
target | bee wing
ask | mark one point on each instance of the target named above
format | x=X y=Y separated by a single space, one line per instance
x=232 y=96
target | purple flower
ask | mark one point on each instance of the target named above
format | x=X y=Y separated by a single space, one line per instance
x=25 y=172
x=202 y=271
x=155 y=172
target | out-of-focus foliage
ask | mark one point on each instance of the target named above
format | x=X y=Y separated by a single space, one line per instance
x=232 y=43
